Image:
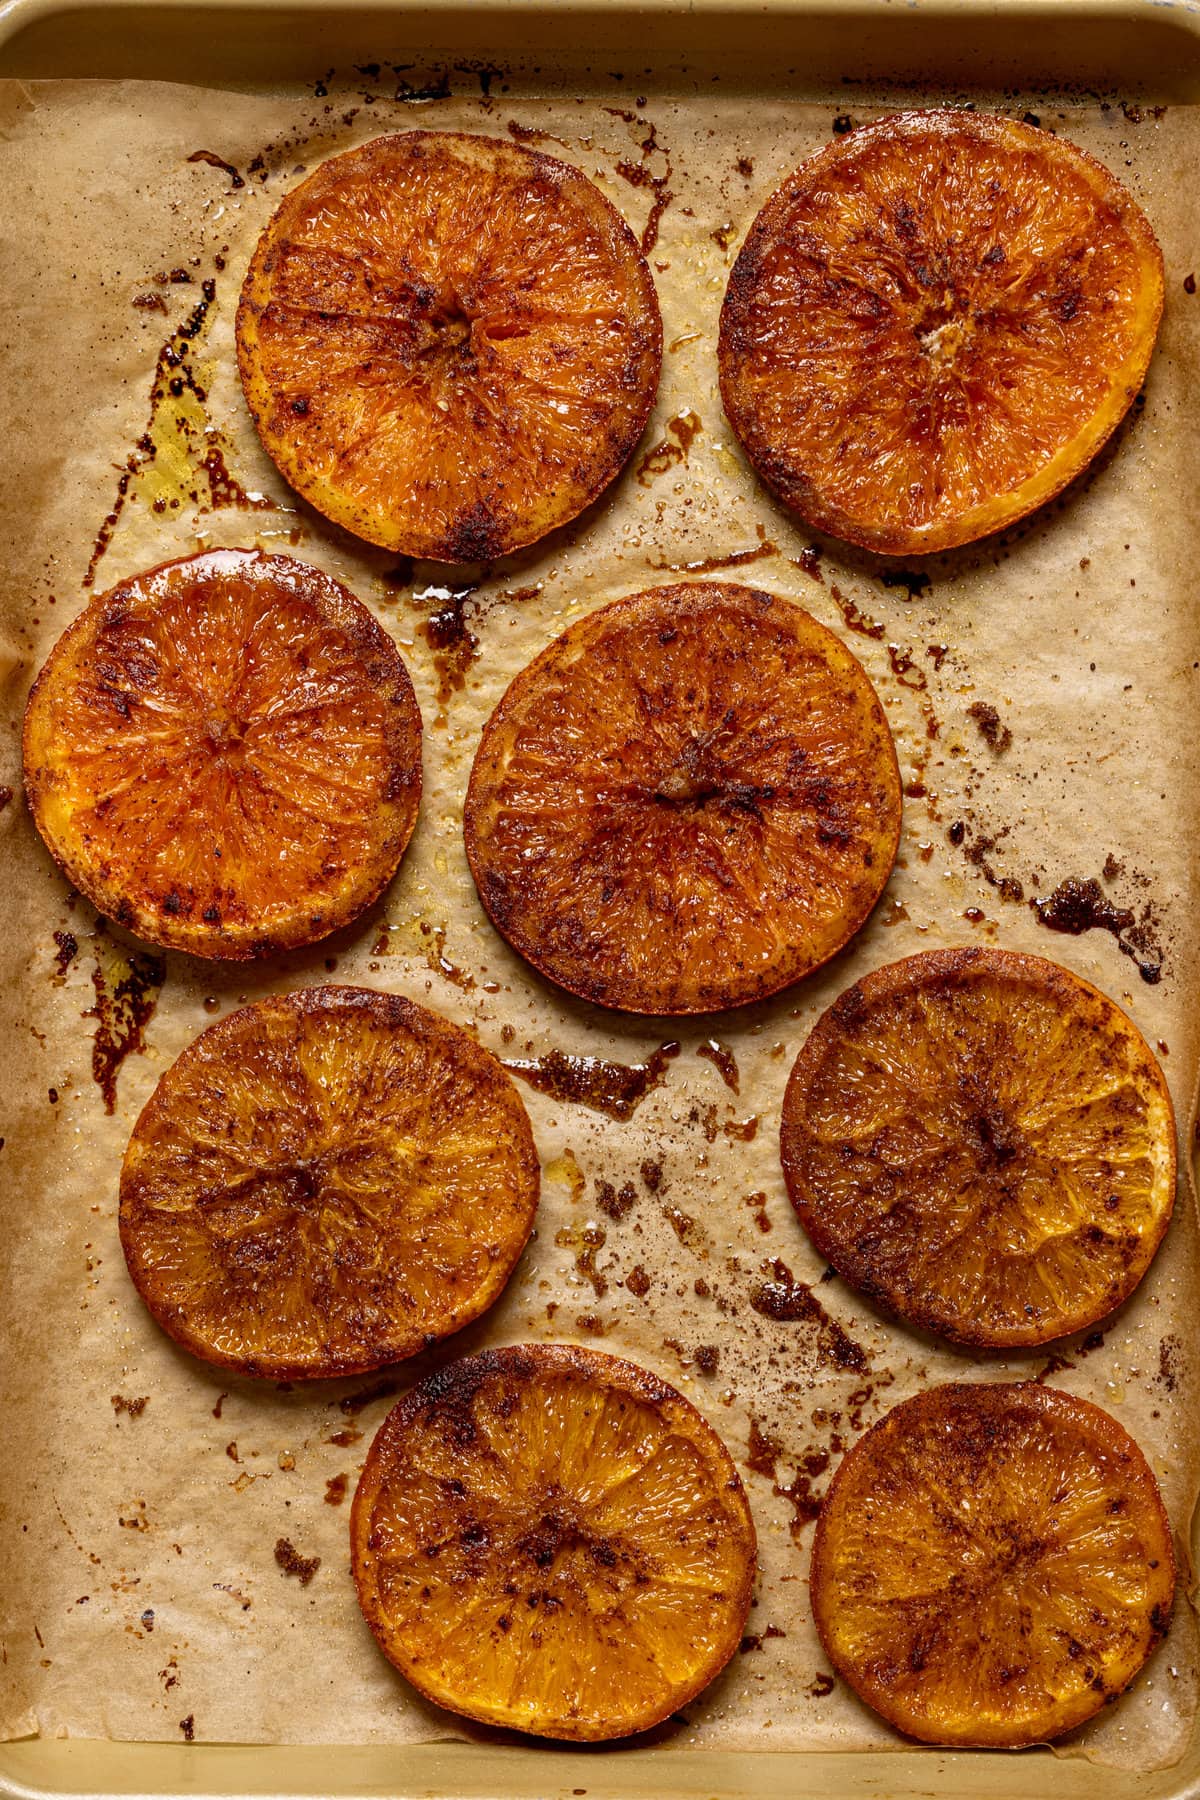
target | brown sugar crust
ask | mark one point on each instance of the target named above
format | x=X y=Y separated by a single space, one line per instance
x=983 y=1143
x=934 y=325
x=551 y=1539
x=224 y=754
x=689 y=800
x=449 y=344
x=325 y=1182
x=992 y=1564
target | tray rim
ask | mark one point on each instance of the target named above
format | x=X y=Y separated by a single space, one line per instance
x=37 y=1768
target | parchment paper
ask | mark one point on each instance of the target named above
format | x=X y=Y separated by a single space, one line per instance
x=143 y=1494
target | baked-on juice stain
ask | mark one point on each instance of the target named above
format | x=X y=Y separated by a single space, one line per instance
x=639 y=175
x=1077 y=906
x=179 y=454
x=617 y=1089
x=784 y=1298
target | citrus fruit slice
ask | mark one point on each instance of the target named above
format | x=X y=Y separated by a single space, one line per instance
x=553 y=1540
x=934 y=325
x=224 y=754
x=449 y=344
x=992 y=1564
x=689 y=800
x=324 y=1182
x=982 y=1142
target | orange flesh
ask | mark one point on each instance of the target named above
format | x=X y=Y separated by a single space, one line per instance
x=224 y=754
x=688 y=801
x=553 y=1540
x=984 y=1143
x=324 y=1183
x=934 y=325
x=992 y=1564
x=449 y=344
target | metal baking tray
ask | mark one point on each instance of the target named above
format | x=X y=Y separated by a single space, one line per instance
x=1144 y=49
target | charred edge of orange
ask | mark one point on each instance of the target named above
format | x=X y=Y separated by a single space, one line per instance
x=455 y=1389
x=796 y=490
x=225 y=943
x=389 y=1010
x=698 y=597
x=946 y=967
x=255 y=298
x=1092 y=1420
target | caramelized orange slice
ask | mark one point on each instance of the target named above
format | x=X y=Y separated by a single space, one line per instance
x=325 y=1182
x=689 y=800
x=550 y=1539
x=934 y=325
x=992 y=1564
x=224 y=754
x=449 y=344
x=984 y=1143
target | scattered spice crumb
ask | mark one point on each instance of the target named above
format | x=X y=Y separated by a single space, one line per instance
x=135 y=1408
x=292 y=1563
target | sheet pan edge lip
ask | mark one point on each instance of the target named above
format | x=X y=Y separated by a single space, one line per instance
x=16 y=15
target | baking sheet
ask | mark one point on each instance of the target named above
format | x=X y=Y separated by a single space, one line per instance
x=1041 y=693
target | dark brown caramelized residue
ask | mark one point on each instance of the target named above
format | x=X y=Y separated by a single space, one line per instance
x=218 y=162
x=617 y=1089
x=1077 y=906
x=785 y=1299
x=64 y=956
x=292 y=1563
x=723 y=1061
x=854 y=618
x=680 y=434
x=121 y=1016
x=706 y=565
x=335 y=1491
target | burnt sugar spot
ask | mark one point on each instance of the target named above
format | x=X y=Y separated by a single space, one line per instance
x=913 y=581
x=617 y=1089
x=1078 y=905
x=127 y=990
x=785 y=1299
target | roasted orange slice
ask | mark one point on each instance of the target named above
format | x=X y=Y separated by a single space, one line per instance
x=689 y=800
x=325 y=1182
x=550 y=1539
x=982 y=1142
x=934 y=325
x=224 y=754
x=449 y=344
x=992 y=1564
